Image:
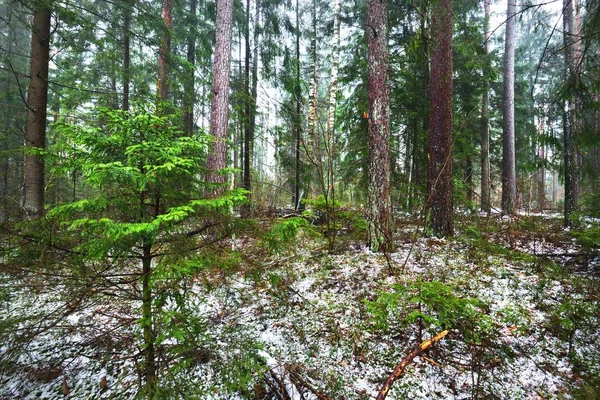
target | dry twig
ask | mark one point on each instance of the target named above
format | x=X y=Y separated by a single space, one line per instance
x=407 y=360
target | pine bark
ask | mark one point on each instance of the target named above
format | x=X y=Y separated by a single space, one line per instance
x=127 y=54
x=190 y=83
x=164 y=51
x=298 y=117
x=440 y=122
x=37 y=102
x=570 y=150
x=509 y=174
x=250 y=102
x=219 y=108
x=379 y=213
x=485 y=126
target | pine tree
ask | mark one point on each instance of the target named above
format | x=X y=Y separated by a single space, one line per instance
x=379 y=212
x=440 y=122
x=509 y=175
x=37 y=102
x=485 y=124
x=219 y=111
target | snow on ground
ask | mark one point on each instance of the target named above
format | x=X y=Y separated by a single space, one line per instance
x=307 y=322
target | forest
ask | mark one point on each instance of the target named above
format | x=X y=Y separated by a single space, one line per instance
x=299 y=199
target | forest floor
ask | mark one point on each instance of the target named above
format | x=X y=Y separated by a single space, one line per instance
x=520 y=298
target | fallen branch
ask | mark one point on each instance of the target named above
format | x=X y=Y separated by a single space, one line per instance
x=405 y=361
x=297 y=380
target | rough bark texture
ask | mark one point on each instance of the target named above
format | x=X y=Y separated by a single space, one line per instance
x=314 y=89
x=379 y=213
x=333 y=91
x=485 y=127
x=190 y=83
x=406 y=361
x=250 y=106
x=298 y=116
x=541 y=190
x=219 y=108
x=147 y=325
x=126 y=54
x=164 y=50
x=37 y=101
x=440 y=122
x=509 y=174
x=570 y=150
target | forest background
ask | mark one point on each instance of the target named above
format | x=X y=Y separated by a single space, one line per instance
x=155 y=151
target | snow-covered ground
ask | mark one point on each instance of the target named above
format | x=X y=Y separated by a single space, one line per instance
x=300 y=326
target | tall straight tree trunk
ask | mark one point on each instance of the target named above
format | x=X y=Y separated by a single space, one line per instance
x=219 y=108
x=127 y=54
x=333 y=92
x=164 y=51
x=298 y=117
x=312 y=112
x=541 y=192
x=190 y=83
x=485 y=126
x=37 y=101
x=250 y=98
x=469 y=180
x=440 y=121
x=509 y=174
x=379 y=213
x=570 y=151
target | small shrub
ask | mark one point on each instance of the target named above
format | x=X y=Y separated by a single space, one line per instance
x=435 y=305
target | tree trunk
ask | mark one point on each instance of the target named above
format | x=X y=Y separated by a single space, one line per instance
x=541 y=190
x=485 y=126
x=164 y=51
x=37 y=101
x=333 y=91
x=570 y=150
x=298 y=117
x=312 y=150
x=440 y=121
x=127 y=54
x=190 y=83
x=147 y=325
x=379 y=213
x=469 y=180
x=219 y=108
x=250 y=98
x=509 y=175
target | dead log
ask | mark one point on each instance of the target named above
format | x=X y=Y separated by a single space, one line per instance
x=407 y=360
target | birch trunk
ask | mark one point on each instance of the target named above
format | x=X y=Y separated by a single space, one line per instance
x=314 y=89
x=333 y=91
